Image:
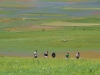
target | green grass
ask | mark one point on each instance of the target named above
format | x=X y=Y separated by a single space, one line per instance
x=6 y=12
x=84 y=20
x=64 y=39
x=41 y=66
x=67 y=38
x=43 y=14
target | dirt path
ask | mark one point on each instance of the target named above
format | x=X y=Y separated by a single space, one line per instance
x=83 y=54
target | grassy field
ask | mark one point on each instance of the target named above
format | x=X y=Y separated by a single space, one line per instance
x=44 y=25
x=30 y=66
x=52 y=35
x=84 y=20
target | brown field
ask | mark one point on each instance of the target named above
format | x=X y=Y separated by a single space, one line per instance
x=43 y=27
x=32 y=28
x=47 y=26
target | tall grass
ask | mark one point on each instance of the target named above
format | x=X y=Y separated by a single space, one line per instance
x=31 y=66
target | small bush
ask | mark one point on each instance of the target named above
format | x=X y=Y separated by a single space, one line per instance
x=43 y=29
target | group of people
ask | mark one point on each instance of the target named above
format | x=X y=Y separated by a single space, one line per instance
x=77 y=55
x=45 y=54
x=54 y=55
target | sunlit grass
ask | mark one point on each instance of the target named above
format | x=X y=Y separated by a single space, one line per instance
x=49 y=66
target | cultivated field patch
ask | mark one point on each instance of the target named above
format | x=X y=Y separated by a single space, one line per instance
x=70 y=24
x=44 y=27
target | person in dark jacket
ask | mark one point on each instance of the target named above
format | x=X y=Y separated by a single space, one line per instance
x=53 y=55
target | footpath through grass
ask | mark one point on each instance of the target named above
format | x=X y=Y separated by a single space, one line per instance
x=50 y=66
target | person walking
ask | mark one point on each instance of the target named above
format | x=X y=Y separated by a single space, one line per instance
x=53 y=55
x=77 y=55
x=46 y=54
x=67 y=55
x=35 y=54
